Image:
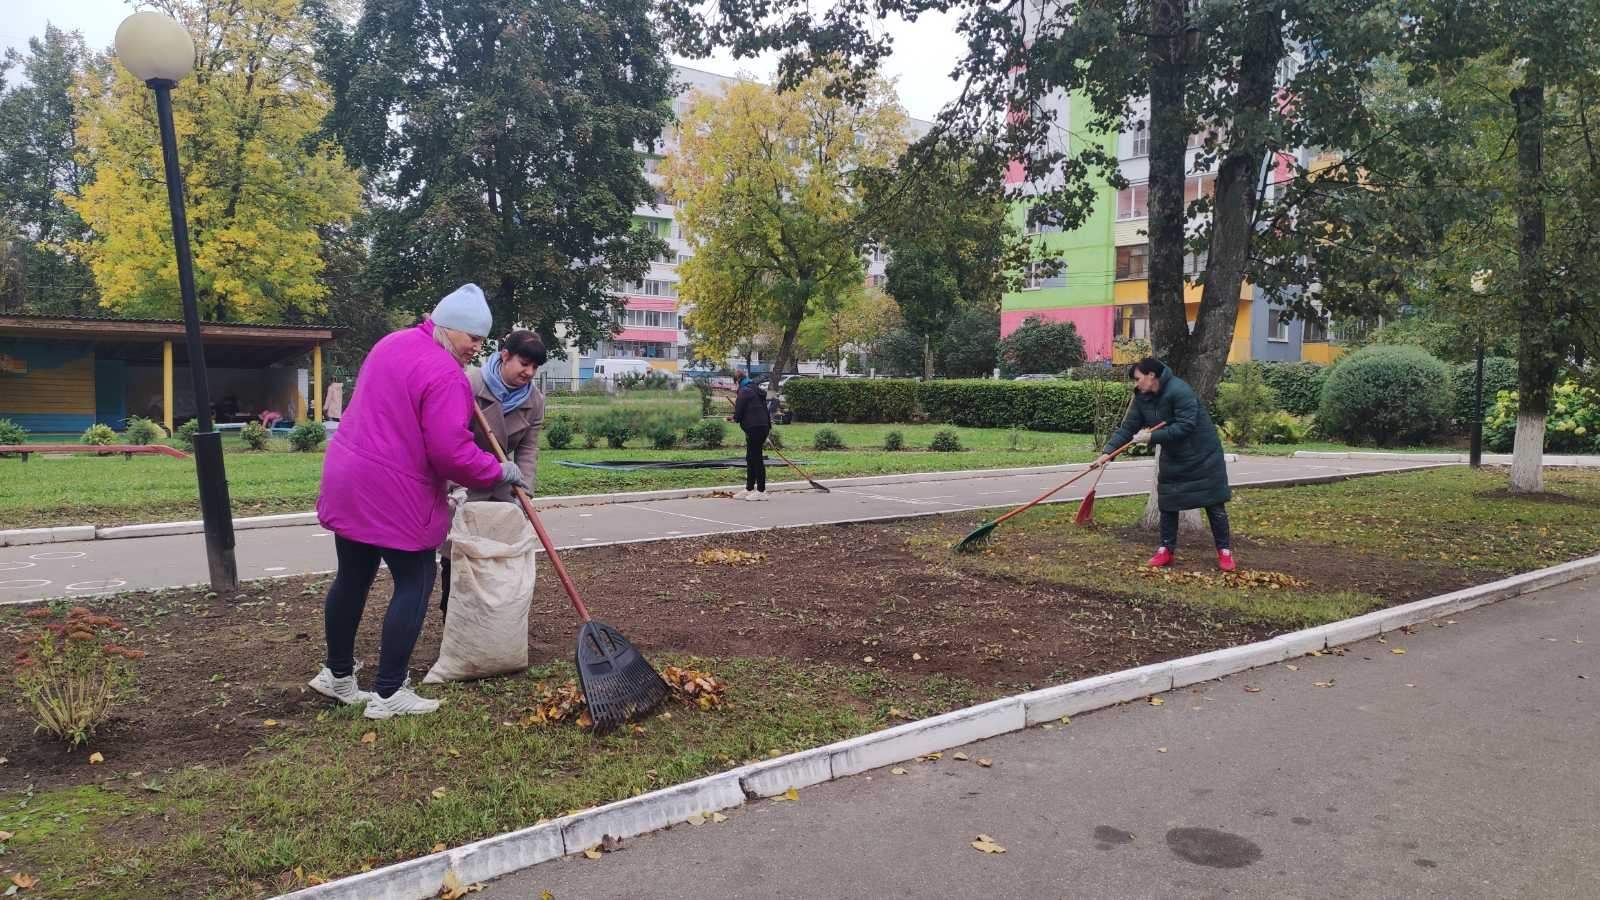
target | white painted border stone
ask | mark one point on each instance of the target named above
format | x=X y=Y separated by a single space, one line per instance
x=500 y=855
x=18 y=537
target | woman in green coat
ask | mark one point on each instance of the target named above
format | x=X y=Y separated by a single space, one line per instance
x=1192 y=473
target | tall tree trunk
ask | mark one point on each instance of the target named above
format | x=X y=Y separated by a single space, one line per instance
x=1537 y=356
x=927 y=357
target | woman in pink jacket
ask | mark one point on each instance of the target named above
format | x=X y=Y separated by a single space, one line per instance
x=404 y=437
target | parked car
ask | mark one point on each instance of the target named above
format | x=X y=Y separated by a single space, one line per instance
x=1036 y=377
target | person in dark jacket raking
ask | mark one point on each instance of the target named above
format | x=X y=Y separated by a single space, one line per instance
x=750 y=411
x=1192 y=472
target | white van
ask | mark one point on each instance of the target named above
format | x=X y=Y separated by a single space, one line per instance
x=612 y=369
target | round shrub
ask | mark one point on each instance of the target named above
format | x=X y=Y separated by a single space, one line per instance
x=590 y=440
x=255 y=435
x=98 y=435
x=141 y=431
x=1387 y=395
x=662 y=436
x=11 y=433
x=945 y=442
x=708 y=435
x=827 y=439
x=1499 y=374
x=185 y=434
x=893 y=441
x=558 y=433
x=307 y=436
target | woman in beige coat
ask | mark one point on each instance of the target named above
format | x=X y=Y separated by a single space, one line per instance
x=513 y=405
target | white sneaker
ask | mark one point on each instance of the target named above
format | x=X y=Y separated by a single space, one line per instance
x=759 y=496
x=403 y=702
x=345 y=690
x=742 y=495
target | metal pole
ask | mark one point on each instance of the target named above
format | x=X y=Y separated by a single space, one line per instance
x=1476 y=455
x=215 y=510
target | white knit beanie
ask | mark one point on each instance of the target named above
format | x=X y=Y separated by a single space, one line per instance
x=465 y=310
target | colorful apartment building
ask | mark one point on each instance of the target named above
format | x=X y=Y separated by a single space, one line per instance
x=1102 y=287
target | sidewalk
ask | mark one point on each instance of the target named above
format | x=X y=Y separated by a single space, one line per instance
x=86 y=567
x=1462 y=768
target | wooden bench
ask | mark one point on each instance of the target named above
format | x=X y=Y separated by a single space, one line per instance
x=26 y=450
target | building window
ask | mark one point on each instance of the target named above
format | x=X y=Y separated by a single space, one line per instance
x=1141 y=140
x=1133 y=263
x=636 y=350
x=1197 y=186
x=1277 y=326
x=1195 y=263
x=1316 y=332
x=652 y=164
x=648 y=318
x=684 y=257
x=1133 y=202
x=652 y=287
x=1032 y=279
x=1133 y=322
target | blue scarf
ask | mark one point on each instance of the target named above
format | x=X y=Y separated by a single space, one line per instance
x=509 y=399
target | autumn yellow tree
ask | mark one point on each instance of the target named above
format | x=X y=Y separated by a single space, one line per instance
x=258 y=182
x=766 y=186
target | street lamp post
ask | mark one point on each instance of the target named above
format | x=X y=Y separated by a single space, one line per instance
x=159 y=52
x=1480 y=282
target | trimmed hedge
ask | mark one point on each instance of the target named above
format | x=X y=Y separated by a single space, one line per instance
x=1037 y=406
x=1298 y=386
x=1499 y=374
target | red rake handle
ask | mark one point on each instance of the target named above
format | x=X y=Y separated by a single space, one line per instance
x=538 y=526
x=1058 y=488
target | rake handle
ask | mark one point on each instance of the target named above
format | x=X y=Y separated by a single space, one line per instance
x=1057 y=489
x=533 y=517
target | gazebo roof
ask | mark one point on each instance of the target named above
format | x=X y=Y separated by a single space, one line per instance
x=140 y=340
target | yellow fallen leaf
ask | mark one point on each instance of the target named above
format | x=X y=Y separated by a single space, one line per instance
x=369 y=737
x=457 y=753
x=986 y=844
x=790 y=794
x=1292 y=668
x=438 y=793
x=1251 y=689
x=696 y=819
x=96 y=758
x=718 y=818
x=1398 y=651
x=24 y=881
x=593 y=852
x=270 y=722
x=959 y=755
x=1157 y=701
x=916 y=656
x=931 y=757
x=986 y=763
x=866 y=659
x=897 y=770
x=6 y=836
x=1048 y=727
x=1161 y=749
x=1066 y=720
x=438 y=848
x=1327 y=684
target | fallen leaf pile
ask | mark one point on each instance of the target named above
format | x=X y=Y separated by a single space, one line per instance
x=563 y=703
x=1244 y=579
x=695 y=686
x=453 y=889
x=728 y=557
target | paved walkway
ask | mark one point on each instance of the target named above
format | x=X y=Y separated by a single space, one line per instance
x=88 y=567
x=1465 y=768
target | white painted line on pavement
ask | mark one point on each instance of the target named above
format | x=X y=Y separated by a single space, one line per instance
x=17 y=564
x=997 y=493
x=668 y=512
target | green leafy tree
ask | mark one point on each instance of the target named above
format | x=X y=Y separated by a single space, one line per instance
x=1040 y=346
x=500 y=141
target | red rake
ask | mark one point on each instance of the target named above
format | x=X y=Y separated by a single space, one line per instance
x=1086 y=505
x=983 y=534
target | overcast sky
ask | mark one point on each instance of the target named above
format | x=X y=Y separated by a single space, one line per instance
x=924 y=52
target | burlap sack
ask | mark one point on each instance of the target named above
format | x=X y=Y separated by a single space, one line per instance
x=491 y=587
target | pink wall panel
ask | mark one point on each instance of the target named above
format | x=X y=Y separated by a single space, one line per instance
x=647 y=334
x=1094 y=325
x=659 y=304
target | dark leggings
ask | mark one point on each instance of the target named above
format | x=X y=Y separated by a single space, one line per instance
x=1216 y=514
x=755 y=461
x=412 y=571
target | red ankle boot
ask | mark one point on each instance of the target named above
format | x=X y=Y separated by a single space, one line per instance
x=1225 y=560
x=1163 y=557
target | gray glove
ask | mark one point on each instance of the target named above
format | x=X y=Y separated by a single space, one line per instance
x=510 y=474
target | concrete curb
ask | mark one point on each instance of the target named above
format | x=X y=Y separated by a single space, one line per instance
x=17 y=537
x=503 y=854
x=1493 y=459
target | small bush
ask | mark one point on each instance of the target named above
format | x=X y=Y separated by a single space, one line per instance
x=894 y=441
x=827 y=439
x=1298 y=386
x=1573 y=425
x=558 y=432
x=945 y=442
x=141 y=431
x=1244 y=403
x=98 y=435
x=185 y=434
x=1281 y=428
x=708 y=435
x=590 y=440
x=662 y=436
x=775 y=438
x=72 y=674
x=307 y=436
x=1388 y=395
x=11 y=433
x=1014 y=440
x=255 y=435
